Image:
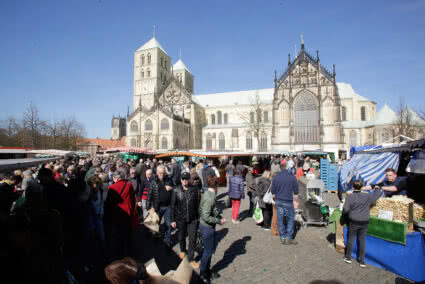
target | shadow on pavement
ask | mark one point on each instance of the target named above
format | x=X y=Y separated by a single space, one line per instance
x=400 y=280
x=244 y=214
x=145 y=248
x=220 y=234
x=235 y=249
x=331 y=238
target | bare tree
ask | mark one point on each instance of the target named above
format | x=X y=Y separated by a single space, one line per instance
x=404 y=125
x=253 y=118
x=71 y=130
x=33 y=124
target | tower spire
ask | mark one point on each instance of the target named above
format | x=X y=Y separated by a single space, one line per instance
x=289 y=59
x=295 y=50
x=302 y=42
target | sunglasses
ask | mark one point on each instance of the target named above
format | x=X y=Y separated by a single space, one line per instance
x=185 y=178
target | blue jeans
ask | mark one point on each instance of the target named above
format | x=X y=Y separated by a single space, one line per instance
x=165 y=212
x=285 y=210
x=209 y=241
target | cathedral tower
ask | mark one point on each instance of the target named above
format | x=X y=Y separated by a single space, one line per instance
x=183 y=75
x=151 y=71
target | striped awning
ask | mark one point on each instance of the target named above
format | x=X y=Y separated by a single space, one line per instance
x=368 y=168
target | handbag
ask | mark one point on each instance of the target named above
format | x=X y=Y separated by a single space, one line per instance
x=268 y=197
x=258 y=214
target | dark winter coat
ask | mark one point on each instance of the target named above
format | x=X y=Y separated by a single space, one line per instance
x=185 y=204
x=236 y=187
x=250 y=182
x=263 y=184
x=153 y=194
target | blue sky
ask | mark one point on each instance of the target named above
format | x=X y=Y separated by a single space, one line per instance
x=75 y=57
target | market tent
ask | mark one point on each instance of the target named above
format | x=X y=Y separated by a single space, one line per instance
x=417 y=163
x=355 y=149
x=369 y=168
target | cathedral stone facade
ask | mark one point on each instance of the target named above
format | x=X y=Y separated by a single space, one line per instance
x=305 y=110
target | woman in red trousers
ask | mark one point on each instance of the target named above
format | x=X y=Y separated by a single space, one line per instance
x=236 y=193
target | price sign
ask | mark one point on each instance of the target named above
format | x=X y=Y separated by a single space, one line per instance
x=384 y=214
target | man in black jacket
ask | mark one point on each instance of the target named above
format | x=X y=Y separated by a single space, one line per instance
x=185 y=214
x=159 y=198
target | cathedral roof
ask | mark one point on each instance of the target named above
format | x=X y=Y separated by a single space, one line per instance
x=385 y=116
x=234 y=98
x=304 y=56
x=152 y=43
x=346 y=91
x=179 y=65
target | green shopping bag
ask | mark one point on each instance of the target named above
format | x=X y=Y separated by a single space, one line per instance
x=258 y=214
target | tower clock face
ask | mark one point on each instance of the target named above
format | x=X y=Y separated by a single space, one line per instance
x=172 y=96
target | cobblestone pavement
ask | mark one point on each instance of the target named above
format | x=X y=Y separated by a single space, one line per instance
x=248 y=254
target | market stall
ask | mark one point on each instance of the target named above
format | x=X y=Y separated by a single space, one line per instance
x=393 y=241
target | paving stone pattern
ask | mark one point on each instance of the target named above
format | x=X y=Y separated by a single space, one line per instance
x=248 y=254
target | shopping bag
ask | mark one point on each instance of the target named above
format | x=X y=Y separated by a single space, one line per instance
x=268 y=197
x=258 y=214
x=228 y=202
x=152 y=221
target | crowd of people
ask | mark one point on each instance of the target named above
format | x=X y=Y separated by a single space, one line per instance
x=65 y=217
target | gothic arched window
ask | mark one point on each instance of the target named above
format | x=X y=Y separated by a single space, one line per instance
x=251 y=117
x=219 y=117
x=221 y=141
x=263 y=142
x=209 y=141
x=363 y=113
x=142 y=74
x=149 y=58
x=248 y=141
x=133 y=127
x=164 y=143
x=165 y=124
x=226 y=119
x=306 y=117
x=143 y=59
x=148 y=125
x=344 y=113
x=212 y=119
x=266 y=117
x=162 y=61
x=353 y=138
x=235 y=138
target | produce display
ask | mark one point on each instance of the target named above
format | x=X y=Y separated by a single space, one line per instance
x=400 y=206
x=419 y=211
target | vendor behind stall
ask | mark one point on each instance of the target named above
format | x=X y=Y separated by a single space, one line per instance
x=392 y=185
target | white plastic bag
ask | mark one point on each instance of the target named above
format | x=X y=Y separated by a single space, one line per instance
x=268 y=197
